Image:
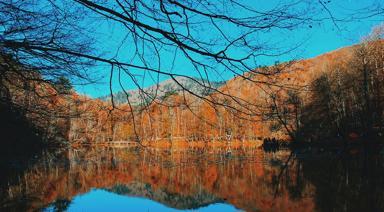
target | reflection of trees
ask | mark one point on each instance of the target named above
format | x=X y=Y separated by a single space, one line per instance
x=242 y=180
x=248 y=180
x=290 y=177
x=61 y=204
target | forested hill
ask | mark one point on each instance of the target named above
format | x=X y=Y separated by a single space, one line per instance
x=164 y=89
x=335 y=94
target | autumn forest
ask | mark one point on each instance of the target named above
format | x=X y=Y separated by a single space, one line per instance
x=189 y=105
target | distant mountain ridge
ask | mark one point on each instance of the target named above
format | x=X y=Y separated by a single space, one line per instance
x=165 y=89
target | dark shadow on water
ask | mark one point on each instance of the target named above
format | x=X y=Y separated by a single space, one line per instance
x=349 y=181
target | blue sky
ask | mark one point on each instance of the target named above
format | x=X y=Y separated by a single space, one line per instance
x=314 y=40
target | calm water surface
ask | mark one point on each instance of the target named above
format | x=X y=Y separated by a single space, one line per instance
x=211 y=180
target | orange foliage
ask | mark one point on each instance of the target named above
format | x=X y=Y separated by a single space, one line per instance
x=240 y=117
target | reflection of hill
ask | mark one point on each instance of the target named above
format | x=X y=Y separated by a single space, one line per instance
x=172 y=200
x=181 y=180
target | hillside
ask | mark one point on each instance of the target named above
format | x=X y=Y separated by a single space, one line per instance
x=318 y=97
x=330 y=95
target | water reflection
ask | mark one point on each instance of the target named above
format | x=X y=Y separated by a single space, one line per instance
x=108 y=200
x=153 y=180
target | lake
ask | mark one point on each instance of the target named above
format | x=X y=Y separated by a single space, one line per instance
x=107 y=179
